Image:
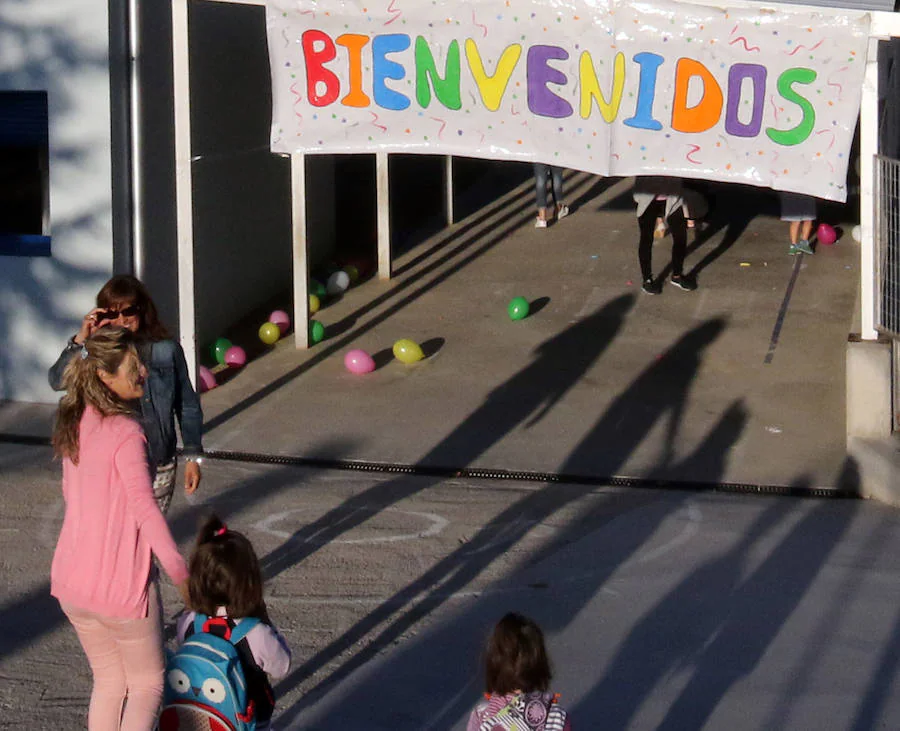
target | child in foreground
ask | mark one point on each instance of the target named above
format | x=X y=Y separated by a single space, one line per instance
x=225 y=589
x=517 y=678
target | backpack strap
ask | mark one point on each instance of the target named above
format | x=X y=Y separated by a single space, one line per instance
x=223 y=627
x=195 y=627
x=241 y=629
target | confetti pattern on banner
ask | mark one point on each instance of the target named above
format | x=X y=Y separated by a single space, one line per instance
x=614 y=88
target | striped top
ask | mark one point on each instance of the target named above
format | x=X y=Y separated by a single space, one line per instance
x=535 y=711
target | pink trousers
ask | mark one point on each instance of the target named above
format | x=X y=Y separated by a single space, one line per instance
x=126 y=658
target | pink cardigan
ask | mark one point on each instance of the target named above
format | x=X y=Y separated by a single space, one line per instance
x=112 y=523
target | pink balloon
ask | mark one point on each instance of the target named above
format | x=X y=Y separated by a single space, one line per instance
x=826 y=234
x=359 y=362
x=206 y=381
x=281 y=318
x=235 y=356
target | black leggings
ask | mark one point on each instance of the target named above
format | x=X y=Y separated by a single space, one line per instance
x=678 y=229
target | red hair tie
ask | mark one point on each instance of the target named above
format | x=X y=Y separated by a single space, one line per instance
x=221 y=531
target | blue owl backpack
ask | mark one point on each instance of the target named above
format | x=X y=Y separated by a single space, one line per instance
x=206 y=685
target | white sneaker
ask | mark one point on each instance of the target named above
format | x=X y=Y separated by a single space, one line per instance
x=540 y=223
x=562 y=212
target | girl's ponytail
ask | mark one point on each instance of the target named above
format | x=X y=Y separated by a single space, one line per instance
x=211 y=528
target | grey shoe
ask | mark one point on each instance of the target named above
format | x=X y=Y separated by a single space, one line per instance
x=804 y=247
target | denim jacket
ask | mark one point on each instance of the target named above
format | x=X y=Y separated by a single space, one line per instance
x=167 y=393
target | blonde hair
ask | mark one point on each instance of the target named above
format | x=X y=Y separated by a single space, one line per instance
x=103 y=351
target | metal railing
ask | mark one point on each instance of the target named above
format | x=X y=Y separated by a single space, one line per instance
x=887 y=246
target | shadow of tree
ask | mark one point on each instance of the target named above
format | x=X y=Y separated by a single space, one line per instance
x=560 y=362
x=45 y=54
x=37 y=613
x=558 y=365
x=719 y=620
x=621 y=428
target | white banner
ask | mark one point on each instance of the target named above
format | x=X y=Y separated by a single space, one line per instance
x=613 y=88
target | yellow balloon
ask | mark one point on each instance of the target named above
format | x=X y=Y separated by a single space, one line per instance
x=407 y=351
x=269 y=333
x=314 y=304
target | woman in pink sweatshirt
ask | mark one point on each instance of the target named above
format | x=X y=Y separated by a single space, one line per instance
x=101 y=566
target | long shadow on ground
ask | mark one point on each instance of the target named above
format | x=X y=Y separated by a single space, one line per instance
x=617 y=433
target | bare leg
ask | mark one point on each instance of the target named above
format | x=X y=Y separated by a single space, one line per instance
x=806 y=230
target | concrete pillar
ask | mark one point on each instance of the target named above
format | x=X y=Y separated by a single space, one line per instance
x=868 y=389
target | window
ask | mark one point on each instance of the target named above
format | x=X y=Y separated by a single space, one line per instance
x=24 y=174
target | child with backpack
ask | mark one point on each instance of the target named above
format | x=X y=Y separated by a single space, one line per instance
x=229 y=649
x=517 y=677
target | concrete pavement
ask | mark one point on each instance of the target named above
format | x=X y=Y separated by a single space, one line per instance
x=599 y=381
x=662 y=609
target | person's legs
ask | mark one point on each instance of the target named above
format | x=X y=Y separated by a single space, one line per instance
x=140 y=644
x=540 y=191
x=799 y=211
x=556 y=181
x=108 y=693
x=646 y=222
x=803 y=246
x=806 y=229
x=562 y=210
x=678 y=227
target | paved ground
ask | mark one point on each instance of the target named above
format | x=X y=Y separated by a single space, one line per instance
x=664 y=610
x=601 y=380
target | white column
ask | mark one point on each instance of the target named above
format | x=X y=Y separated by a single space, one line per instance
x=137 y=190
x=300 y=259
x=868 y=148
x=448 y=190
x=383 y=199
x=184 y=208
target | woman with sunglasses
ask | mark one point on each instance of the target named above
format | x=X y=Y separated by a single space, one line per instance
x=125 y=302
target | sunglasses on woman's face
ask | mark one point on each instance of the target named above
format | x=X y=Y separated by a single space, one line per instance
x=130 y=311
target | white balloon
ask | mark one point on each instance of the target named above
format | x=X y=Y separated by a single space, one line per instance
x=856 y=233
x=338 y=282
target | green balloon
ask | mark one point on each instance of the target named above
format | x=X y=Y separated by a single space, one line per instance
x=518 y=308
x=318 y=289
x=218 y=349
x=316 y=332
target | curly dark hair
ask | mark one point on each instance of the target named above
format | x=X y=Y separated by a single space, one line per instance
x=515 y=657
x=224 y=572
